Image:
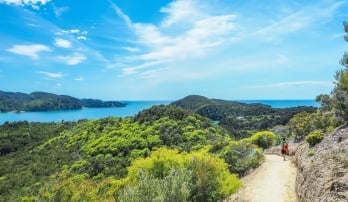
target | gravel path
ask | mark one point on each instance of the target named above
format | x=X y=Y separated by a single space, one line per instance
x=273 y=181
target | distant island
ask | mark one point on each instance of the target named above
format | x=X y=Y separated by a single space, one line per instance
x=43 y=101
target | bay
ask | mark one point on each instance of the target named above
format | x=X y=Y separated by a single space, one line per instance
x=132 y=108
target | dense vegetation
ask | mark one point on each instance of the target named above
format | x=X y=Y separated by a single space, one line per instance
x=165 y=153
x=41 y=101
x=240 y=119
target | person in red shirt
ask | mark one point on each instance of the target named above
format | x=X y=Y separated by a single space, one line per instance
x=285 y=148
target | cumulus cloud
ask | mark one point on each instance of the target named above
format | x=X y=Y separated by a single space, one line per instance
x=74 y=59
x=62 y=43
x=52 y=75
x=31 y=50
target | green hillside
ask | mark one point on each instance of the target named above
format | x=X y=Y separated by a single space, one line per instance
x=179 y=153
x=42 y=101
x=240 y=119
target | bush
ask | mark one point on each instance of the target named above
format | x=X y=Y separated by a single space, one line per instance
x=315 y=137
x=310 y=152
x=241 y=156
x=263 y=139
x=174 y=187
x=172 y=174
x=211 y=180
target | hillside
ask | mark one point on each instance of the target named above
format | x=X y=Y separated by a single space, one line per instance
x=238 y=118
x=323 y=168
x=162 y=150
x=42 y=101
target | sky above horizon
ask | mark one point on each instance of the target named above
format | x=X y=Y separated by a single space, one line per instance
x=166 y=50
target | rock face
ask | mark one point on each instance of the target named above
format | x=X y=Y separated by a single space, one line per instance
x=323 y=169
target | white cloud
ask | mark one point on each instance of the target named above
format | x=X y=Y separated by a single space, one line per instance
x=131 y=49
x=202 y=32
x=74 y=31
x=180 y=11
x=134 y=69
x=24 y=2
x=73 y=59
x=296 y=21
x=120 y=13
x=291 y=84
x=79 y=78
x=32 y=50
x=35 y=7
x=81 y=38
x=52 y=75
x=62 y=43
x=80 y=35
x=196 y=41
x=58 y=11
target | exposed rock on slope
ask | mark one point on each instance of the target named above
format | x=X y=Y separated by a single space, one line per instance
x=323 y=169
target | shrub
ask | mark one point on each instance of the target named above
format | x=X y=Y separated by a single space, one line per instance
x=315 y=137
x=211 y=180
x=310 y=152
x=174 y=187
x=263 y=139
x=172 y=174
x=241 y=156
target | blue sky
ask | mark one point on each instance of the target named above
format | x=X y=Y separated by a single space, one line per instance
x=165 y=50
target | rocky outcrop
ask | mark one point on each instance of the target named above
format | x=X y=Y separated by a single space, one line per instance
x=323 y=169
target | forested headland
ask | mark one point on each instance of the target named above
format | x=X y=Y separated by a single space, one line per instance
x=240 y=119
x=42 y=101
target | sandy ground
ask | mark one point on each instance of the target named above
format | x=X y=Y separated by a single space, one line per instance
x=273 y=181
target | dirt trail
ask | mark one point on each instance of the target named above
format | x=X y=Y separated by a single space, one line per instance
x=274 y=181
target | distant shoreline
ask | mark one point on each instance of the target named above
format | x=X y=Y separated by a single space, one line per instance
x=132 y=108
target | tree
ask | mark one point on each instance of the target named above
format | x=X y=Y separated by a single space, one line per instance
x=344 y=60
x=325 y=102
x=300 y=125
x=340 y=91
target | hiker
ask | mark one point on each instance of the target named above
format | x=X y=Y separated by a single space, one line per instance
x=285 y=148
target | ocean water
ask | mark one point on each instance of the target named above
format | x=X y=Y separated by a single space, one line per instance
x=283 y=103
x=132 y=108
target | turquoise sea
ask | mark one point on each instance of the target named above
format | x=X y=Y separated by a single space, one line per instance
x=132 y=108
